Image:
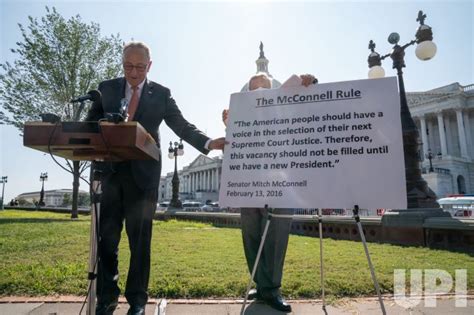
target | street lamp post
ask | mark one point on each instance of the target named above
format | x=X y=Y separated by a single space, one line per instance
x=173 y=152
x=419 y=195
x=43 y=177
x=4 y=180
x=430 y=157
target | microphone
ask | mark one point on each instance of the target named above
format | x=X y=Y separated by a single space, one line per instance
x=50 y=118
x=92 y=95
x=122 y=114
x=124 y=108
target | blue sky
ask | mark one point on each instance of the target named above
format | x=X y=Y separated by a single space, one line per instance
x=204 y=51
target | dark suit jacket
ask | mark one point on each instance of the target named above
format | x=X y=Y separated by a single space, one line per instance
x=156 y=105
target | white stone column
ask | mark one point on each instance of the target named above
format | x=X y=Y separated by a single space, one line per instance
x=216 y=178
x=199 y=178
x=212 y=180
x=190 y=182
x=442 y=134
x=462 y=133
x=451 y=140
x=201 y=181
x=196 y=177
x=424 y=136
x=431 y=138
x=469 y=132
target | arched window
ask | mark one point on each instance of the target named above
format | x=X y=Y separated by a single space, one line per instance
x=461 y=185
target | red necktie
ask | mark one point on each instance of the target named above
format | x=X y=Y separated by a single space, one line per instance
x=132 y=106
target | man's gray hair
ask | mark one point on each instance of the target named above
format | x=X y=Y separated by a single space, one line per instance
x=139 y=45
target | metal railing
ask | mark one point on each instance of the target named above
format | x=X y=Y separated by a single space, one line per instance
x=438 y=170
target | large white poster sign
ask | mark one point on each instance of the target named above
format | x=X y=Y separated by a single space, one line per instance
x=332 y=145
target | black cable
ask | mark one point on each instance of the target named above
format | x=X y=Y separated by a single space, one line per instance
x=107 y=148
x=54 y=159
x=49 y=148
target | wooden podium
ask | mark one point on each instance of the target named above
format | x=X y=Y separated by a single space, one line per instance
x=92 y=141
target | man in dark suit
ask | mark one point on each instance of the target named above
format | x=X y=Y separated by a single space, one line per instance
x=130 y=188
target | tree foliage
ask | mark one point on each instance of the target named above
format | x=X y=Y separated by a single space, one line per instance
x=67 y=201
x=84 y=200
x=57 y=60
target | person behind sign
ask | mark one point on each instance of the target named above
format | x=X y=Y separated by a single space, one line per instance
x=130 y=188
x=270 y=267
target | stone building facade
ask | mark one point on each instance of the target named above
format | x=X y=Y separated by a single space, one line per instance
x=52 y=198
x=445 y=120
x=199 y=181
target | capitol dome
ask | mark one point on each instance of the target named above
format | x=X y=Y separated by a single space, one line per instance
x=262 y=66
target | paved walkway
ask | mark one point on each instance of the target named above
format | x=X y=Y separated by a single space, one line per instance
x=365 y=306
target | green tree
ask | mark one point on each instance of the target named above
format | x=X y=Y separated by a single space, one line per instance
x=84 y=200
x=24 y=202
x=66 y=200
x=57 y=60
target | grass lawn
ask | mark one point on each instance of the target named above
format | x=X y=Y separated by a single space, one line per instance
x=45 y=253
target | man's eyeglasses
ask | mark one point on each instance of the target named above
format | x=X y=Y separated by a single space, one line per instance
x=140 y=68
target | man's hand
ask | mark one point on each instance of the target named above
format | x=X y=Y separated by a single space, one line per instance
x=308 y=79
x=225 y=116
x=217 y=144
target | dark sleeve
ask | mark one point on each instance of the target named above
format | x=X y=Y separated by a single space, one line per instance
x=96 y=111
x=182 y=128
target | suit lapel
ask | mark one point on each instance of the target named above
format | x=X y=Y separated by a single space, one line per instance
x=123 y=83
x=114 y=105
x=144 y=102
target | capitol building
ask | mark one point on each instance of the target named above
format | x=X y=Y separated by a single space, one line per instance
x=445 y=120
